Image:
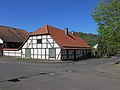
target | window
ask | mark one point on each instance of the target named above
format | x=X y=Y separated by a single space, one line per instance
x=27 y=52
x=39 y=41
x=52 y=53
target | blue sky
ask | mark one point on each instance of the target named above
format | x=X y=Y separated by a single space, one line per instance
x=33 y=14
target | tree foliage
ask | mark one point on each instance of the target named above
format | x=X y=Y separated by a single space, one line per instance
x=107 y=16
x=91 y=39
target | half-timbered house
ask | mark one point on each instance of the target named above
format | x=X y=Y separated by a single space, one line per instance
x=52 y=44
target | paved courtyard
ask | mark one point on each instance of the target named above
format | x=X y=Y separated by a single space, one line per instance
x=80 y=75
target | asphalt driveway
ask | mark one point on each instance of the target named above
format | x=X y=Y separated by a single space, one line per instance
x=80 y=75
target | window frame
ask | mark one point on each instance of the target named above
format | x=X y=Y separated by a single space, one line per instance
x=54 y=51
x=39 y=41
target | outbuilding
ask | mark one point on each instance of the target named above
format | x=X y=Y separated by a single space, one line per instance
x=11 y=38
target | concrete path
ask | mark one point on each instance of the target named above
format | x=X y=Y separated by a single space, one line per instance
x=109 y=69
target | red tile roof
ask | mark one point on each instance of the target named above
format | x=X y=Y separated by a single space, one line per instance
x=8 y=34
x=62 y=39
x=42 y=30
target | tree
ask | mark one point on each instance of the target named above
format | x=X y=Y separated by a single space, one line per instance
x=107 y=16
x=91 y=39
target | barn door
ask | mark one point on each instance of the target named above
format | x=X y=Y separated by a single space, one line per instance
x=27 y=52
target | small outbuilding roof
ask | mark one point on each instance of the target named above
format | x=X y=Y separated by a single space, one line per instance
x=66 y=41
x=9 y=34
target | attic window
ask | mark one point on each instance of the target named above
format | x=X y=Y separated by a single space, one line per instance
x=39 y=41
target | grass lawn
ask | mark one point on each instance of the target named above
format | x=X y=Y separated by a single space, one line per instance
x=22 y=58
x=117 y=65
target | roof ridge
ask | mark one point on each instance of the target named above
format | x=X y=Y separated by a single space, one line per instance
x=12 y=27
x=23 y=33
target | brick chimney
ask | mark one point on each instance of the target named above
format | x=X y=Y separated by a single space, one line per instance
x=66 y=31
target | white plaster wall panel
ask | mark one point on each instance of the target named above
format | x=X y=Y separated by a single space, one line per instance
x=50 y=40
x=39 y=57
x=5 y=53
x=11 y=54
x=29 y=41
x=35 y=51
x=44 y=41
x=35 y=57
x=59 y=57
x=9 y=51
x=34 y=41
x=51 y=58
x=44 y=36
x=43 y=57
x=47 y=57
x=30 y=37
x=18 y=51
x=58 y=51
x=56 y=45
x=44 y=45
x=48 y=36
x=23 y=56
x=31 y=51
x=32 y=56
x=43 y=51
x=23 y=51
x=47 y=51
x=50 y=46
x=39 y=45
x=24 y=46
x=34 y=37
x=1 y=41
x=29 y=46
x=18 y=54
x=39 y=51
x=38 y=37
x=34 y=46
